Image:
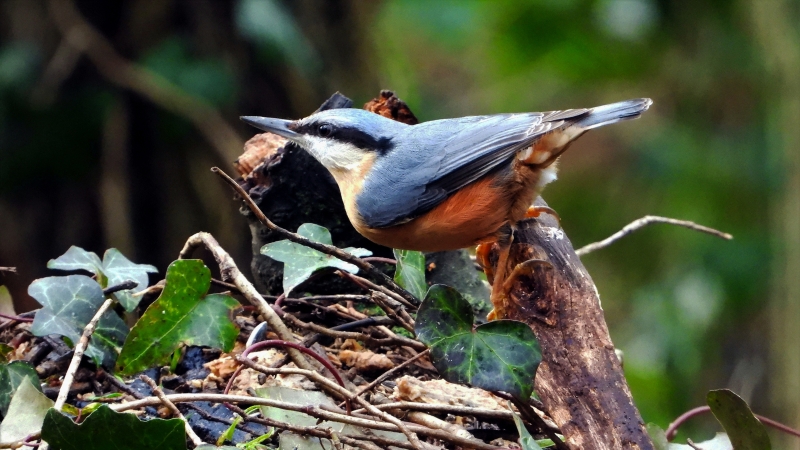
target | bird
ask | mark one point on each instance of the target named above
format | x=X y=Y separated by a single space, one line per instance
x=443 y=184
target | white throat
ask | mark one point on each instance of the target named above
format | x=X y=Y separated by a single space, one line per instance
x=332 y=154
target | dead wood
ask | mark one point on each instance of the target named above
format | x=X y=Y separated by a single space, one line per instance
x=580 y=380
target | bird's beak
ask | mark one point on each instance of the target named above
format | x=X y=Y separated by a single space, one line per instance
x=276 y=126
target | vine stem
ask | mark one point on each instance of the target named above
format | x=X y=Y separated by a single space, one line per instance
x=672 y=430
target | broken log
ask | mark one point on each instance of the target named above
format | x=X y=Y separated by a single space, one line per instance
x=580 y=380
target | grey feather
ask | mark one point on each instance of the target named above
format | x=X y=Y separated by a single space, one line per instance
x=432 y=160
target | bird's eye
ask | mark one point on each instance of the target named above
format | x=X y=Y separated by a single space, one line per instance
x=325 y=130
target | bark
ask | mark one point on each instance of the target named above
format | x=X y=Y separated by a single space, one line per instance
x=580 y=380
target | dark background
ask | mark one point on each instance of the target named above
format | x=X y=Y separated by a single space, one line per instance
x=111 y=115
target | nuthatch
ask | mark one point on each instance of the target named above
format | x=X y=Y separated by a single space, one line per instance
x=444 y=184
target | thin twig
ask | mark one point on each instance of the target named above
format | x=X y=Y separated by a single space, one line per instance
x=398 y=313
x=672 y=429
x=643 y=222
x=16 y=318
x=366 y=338
x=391 y=372
x=344 y=392
x=327 y=249
x=278 y=343
x=171 y=406
x=367 y=284
x=231 y=273
x=380 y=259
x=456 y=410
x=310 y=410
x=320 y=432
x=83 y=342
x=8 y=269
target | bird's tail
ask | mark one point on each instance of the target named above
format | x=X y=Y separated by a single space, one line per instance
x=613 y=113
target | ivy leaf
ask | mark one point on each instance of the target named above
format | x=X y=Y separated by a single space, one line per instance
x=300 y=262
x=497 y=356
x=113 y=269
x=117 y=269
x=743 y=428
x=77 y=258
x=410 y=272
x=105 y=429
x=182 y=315
x=69 y=303
x=25 y=413
x=11 y=377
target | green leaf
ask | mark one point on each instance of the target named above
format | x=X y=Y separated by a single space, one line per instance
x=77 y=258
x=6 y=302
x=300 y=262
x=497 y=356
x=69 y=303
x=182 y=315
x=410 y=272
x=526 y=441
x=117 y=269
x=25 y=413
x=105 y=429
x=744 y=429
x=11 y=377
x=113 y=269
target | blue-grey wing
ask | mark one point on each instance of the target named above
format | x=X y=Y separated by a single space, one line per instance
x=435 y=159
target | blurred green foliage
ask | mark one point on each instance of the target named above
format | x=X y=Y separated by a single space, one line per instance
x=688 y=310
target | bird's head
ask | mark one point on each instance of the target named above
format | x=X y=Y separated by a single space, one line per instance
x=340 y=139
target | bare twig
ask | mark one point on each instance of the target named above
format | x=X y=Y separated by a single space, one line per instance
x=298 y=347
x=341 y=390
x=380 y=259
x=8 y=269
x=16 y=318
x=171 y=406
x=672 y=429
x=643 y=222
x=116 y=69
x=83 y=342
x=367 y=284
x=366 y=338
x=391 y=372
x=22 y=442
x=396 y=312
x=456 y=410
x=231 y=273
x=327 y=249
x=322 y=432
x=310 y=410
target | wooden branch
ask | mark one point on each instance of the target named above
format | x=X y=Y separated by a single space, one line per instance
x=580 y=380
x=643 y=222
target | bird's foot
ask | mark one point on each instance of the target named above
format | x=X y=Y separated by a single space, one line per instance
x=501 y=291
x=536 y=211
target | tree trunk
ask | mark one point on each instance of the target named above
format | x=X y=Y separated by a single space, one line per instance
x=580 y=380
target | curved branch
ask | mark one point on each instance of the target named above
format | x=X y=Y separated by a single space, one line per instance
x=643 y=222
